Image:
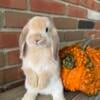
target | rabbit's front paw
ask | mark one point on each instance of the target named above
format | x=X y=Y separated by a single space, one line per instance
x=31 y=78
x=43 y=80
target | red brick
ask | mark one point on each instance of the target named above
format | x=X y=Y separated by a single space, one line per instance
x=13 y=57
x=2 y=59
x=97 y=7
x=48 y=6
x=12 y=74
x=9 y=39
x=92 y=4
x=20 y=4
x=76 y=11
x=97 y=25
x=87 y=3
x=1 y=19
x=14 y=19
x=1 y=77
x=73 y=1
x=89 y=33
x=65 y=23
x=61 y=36
x=96 y=34
x=73 y=35
x=95 y=43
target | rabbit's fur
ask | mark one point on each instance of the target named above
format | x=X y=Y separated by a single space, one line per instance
x=39 y=45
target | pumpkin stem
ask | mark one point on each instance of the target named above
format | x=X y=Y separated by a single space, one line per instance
x=88 y=62
x=85 y=42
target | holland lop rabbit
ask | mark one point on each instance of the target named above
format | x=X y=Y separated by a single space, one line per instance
x=39 y=45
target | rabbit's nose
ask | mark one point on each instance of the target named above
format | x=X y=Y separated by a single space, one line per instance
x=37 y=40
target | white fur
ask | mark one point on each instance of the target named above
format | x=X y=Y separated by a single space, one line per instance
x=54 y=87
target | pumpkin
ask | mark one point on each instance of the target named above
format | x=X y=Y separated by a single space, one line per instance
x=80 y=68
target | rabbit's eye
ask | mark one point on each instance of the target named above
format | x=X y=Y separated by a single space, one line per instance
x=46 y=29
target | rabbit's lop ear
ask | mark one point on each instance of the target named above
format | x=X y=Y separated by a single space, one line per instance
x=22 y=41
x=55 y=43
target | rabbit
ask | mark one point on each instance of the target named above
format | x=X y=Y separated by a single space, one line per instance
x=39 y=46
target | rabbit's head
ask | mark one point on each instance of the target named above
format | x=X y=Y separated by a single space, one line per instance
x=38 y=32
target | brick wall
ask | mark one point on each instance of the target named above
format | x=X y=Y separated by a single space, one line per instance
x=73 y=18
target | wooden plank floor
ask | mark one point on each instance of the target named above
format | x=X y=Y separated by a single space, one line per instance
x=17 y=93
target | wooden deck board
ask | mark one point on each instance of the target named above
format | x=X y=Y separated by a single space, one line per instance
x=17 y=93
